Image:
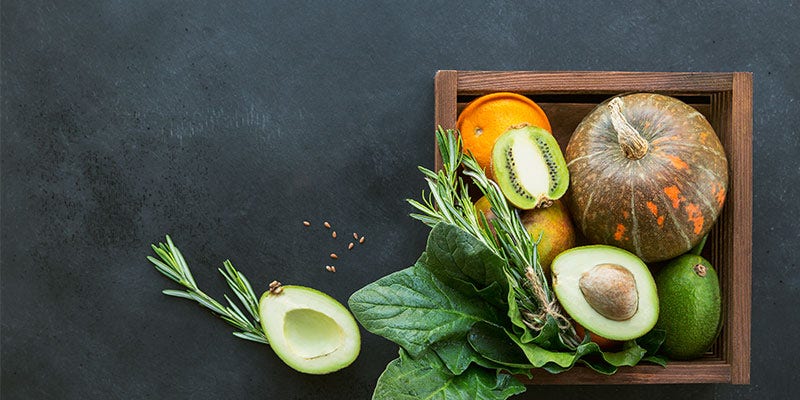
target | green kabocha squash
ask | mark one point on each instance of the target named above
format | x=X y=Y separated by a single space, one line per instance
x=647 y=174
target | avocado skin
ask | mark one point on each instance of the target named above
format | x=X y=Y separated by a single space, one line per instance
x=691 y=312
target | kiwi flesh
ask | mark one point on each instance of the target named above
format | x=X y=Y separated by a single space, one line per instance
x=529 y=167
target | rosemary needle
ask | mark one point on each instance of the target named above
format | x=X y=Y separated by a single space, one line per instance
x=170 y=263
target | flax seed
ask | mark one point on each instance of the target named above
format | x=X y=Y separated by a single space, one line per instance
x=333 y=269
x=333 y=235
x=334 y=256
x=327 y=224
x=274 y=284
x=306 y=223
x=355 y=236
x=350 y=246
x=361 y=240
x=278 y=290
x=328 y=268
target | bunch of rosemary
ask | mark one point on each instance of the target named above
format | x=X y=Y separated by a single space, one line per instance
x=449 y=201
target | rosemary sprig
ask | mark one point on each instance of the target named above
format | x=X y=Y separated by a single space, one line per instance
x=449 y=201
x=172 y=265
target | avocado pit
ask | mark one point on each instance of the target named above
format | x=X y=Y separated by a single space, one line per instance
x=610 y=289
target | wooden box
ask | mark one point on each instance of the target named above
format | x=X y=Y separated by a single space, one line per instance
x=726 y=101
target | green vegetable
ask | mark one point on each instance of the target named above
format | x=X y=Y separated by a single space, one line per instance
x=495 y=344
x=414 y=309
x=458 y=356
x=475 y=306
x=424 y=377
x=459 y=322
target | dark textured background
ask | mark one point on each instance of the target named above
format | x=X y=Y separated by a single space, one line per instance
x=226 y=125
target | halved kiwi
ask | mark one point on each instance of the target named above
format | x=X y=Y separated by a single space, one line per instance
x=529 y=167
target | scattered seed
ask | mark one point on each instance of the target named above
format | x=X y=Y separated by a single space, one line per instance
x=333 y=269
x=327 y=224
x=355 y=236
x=274 y=284
x=333 y=235
x=350 y=246
x=328 y=268
x=277 y=290
x=306 y=223
x=334 y=256
x=361 y=240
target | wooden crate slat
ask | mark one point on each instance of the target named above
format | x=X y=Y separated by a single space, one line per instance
x=683 y=372
x=742 y=184
x=721 y=238
x=446 y=89
x=580 y=82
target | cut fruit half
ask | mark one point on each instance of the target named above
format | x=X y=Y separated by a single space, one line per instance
x=606 y=289
x=309 y=330
x=529 y=167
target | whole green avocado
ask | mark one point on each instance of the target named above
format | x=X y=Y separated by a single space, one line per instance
x=691 y=312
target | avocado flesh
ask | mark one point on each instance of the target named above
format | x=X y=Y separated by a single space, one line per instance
x=311 y=334
x=567 y=270
x=309 y=330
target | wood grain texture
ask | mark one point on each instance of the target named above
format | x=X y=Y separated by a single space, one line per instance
x=721 y=238
x=683 y=372
x=613 y=82
x=445 y=103
x=742 y=181
x=729 y=246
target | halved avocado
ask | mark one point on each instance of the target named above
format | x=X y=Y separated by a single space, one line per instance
x=309 y=330
x=606 y=289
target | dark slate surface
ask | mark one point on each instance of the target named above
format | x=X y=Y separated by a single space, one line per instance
x=226 y=125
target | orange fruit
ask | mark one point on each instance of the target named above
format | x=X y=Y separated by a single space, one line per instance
x=489 y=116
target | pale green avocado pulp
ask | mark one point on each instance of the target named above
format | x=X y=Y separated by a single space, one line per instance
x=568 y=268
x=311 y=334
x=309 y=330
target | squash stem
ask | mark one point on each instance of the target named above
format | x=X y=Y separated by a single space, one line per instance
x=632 y=143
